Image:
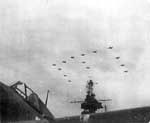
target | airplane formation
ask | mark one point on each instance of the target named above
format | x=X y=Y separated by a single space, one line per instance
x=85 y=62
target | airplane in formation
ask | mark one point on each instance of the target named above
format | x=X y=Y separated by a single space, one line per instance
x=23 y=105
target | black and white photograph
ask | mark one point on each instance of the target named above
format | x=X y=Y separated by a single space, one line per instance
x=74 y=61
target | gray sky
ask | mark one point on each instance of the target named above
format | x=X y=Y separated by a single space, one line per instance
x=34 y=34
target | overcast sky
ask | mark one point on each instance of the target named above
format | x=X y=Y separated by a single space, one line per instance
x=34 y=34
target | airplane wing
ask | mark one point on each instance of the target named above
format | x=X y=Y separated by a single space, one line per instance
x=140 y=115
x=105 y=100
x=136 y=115
x=32 y=121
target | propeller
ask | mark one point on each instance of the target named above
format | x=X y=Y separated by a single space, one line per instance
x=77 y=101
x=105 y=100
x=81 y=101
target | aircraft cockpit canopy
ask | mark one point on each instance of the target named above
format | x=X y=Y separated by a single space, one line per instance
x=27 y=93
x=32 y=99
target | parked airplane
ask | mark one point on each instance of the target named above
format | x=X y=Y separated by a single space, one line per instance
x=17 y=106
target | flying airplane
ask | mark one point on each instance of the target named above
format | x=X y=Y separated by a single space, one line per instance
x=95 y=51
x=117 y=57
x=72 y=57
x=122 y=65
x=25 y=106
x=64 y=62
x=59 y=69
x=110 y=47
x=87 y=67
x=82 y=54
x=83 y=62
